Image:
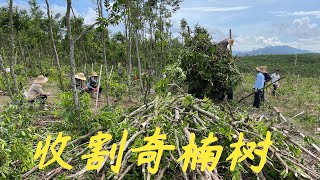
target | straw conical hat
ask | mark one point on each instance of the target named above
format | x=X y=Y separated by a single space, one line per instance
x=265 y=68
x=230 y=42
x=94 y=74
x=261 y=69
x=41 y=80
x=80 y=76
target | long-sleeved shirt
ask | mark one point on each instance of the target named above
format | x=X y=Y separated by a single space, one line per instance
x=34 y=91
x=275 y=77
x=79 y=85
x=267 y=77
x=92 y=84
x=259 y=83
x=224 y=43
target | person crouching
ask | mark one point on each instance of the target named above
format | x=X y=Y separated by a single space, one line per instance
x=36 y=92
x=93 y=84
x=80 y=82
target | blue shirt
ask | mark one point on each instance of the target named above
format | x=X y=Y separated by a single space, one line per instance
x=259 y=81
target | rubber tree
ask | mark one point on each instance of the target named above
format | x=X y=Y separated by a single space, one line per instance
x=11 y=52
x=103 y=39
x=5 y=77
x=54 y=47
x=72 y=61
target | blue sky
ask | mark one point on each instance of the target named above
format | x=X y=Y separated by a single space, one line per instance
x=255 y=23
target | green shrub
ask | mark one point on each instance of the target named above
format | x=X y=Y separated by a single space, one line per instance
x=118 y=90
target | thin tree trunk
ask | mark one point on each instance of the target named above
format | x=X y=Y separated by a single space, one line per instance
x=86 y=61
x=150 y=44
x=139 y=62
x=128 y=34
x=5 y=77
x=11 y=52
x=54 y=48
x=161 y=38
x=72 y=62
x=145 y=45
x=39 y=60
x=99 y=2
x=24 y=59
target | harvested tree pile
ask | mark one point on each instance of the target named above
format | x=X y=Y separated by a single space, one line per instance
x=210 y=69
x=178 y=117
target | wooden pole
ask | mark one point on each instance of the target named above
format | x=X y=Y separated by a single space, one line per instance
x=230 y=37
x=92 y=67
x=260 y=89
x=98 y=90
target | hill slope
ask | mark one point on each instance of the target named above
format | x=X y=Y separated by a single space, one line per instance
x=272 y=50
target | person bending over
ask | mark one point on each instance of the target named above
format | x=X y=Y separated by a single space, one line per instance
x=36 y=93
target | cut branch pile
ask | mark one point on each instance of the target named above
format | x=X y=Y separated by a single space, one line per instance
x=178 y=117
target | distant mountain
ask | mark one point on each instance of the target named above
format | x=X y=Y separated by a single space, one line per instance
x=272 y=50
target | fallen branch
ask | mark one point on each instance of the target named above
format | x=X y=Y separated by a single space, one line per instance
x=127 y=170
x=207 y=113
x=27 y=174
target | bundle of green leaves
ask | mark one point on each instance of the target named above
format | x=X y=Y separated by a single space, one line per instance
x=210 y=69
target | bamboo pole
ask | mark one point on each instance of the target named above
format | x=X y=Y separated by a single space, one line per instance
x=98 y=89
x=230 y=37
x=260 y=89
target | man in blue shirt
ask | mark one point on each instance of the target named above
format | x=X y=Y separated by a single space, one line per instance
x=258 y=86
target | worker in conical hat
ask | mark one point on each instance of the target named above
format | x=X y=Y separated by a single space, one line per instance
x=93 y=83
x=36 y=92
x=80 y=82
x=258 y=86
x=224 y=43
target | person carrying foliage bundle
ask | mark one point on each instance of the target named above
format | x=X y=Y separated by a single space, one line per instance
x=93 y=84
x=275 y=81
x=258 y=86
x=36 y=92
x=267 y=78
x=80 y=82
x=224 y=43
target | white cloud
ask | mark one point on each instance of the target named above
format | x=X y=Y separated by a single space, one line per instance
x=216 y=9
x=90 y=16
x=298 y=13
x=265 y=41
x=56 y=9
x=307 y=13
x=303 y=28
x=245 y=43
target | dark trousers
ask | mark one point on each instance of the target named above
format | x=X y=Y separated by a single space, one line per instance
x=230 y=93
x=257 y=99
x=274 y=89
x=41 y=98
x=262 y=95
x=100 y=90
